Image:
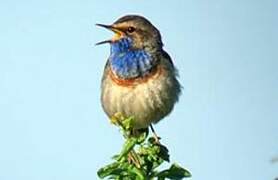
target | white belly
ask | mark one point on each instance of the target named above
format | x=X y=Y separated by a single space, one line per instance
x=148 y=102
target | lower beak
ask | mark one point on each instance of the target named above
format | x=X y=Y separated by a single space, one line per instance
x=103 y=42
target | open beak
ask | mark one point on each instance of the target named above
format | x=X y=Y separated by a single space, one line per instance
x=117 y=31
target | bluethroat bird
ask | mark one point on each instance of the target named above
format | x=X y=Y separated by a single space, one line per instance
x=139 y=78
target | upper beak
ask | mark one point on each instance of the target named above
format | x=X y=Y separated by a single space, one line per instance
x=111 y=28
x=105 y=26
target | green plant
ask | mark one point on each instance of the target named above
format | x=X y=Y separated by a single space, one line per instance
x=140 y=157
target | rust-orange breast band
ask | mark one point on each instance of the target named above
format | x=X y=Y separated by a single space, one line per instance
x=131 y=82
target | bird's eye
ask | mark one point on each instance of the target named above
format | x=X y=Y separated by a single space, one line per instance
x=130 y=29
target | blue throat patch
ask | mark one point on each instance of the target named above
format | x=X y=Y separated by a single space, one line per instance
x=127 y=62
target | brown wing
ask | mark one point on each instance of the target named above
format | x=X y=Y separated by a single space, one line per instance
x=167 y=56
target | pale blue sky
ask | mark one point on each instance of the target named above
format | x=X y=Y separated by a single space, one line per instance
x=52 y=126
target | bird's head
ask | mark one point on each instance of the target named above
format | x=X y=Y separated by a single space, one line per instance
x=141 y=33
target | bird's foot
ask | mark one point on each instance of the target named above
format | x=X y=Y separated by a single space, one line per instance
x=156 y=138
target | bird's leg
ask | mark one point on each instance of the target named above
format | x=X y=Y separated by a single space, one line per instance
x=156 y=137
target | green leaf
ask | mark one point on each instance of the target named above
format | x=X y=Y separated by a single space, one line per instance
x=164 y=153
x=140 y=175
x=175 y=172
x=128 y=123
x=108 y=170
x=139 y=159
x=151 y=140
x=128 y=146
x=142 y=135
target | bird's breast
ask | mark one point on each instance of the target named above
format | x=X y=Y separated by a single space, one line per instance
x=148 y=98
